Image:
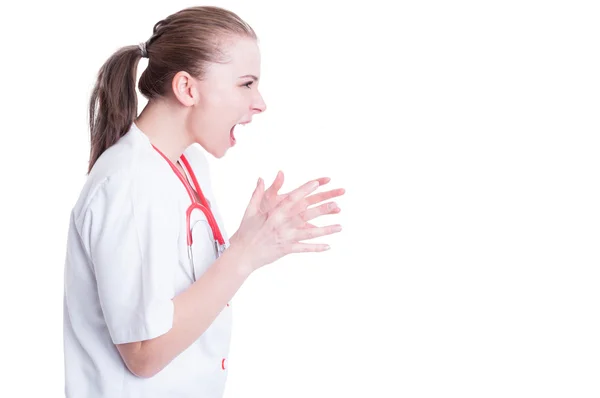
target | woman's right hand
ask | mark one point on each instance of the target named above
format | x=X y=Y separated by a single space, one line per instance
x=265 y=236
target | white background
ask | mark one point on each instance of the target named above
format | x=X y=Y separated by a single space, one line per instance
x=466 y=135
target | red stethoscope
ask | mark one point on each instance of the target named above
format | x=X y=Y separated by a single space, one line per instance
x=203 y=205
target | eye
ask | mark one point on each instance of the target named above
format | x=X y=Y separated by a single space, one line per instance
x=249 y=84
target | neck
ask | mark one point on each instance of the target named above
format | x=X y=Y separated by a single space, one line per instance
x=164 y=125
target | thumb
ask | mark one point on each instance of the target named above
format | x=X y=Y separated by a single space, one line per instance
x=256 y=198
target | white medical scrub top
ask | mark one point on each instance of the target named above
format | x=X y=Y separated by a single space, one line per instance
x=126 y=260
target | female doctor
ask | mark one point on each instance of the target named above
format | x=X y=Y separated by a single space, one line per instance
x=149 y=270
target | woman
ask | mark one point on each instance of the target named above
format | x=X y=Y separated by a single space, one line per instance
x=150 y=270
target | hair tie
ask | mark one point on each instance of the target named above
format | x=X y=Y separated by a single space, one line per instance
x=142 y=47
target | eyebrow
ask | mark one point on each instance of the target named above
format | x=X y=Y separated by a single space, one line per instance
x=252 y=76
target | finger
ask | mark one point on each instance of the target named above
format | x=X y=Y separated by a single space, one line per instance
x=322 y=196
x=296 y=195
x=312 y=213
x=309 y=225
x=307 y=248
x=256 y=198
x=322 y=181
x=276 y=186
x=304 y=234
x=271 y=197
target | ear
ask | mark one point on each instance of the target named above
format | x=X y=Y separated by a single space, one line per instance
x=185 y=89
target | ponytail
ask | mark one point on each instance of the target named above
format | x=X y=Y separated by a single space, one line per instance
x=185 y=40
x=113 y=104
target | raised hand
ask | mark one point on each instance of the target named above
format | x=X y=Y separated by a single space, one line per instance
x=272 y=197
x=275 y=226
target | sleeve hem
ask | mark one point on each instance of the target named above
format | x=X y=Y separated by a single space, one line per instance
x=159 y=323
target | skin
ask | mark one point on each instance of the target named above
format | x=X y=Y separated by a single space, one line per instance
x=203 y=111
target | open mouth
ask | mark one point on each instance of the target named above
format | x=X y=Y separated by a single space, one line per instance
x=232 y=135
x=232 y=132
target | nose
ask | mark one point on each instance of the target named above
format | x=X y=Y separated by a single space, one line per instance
x=258 y=105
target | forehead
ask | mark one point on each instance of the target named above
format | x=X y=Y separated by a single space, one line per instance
x=242 y=58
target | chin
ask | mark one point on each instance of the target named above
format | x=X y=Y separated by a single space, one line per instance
x=214 y=149
x=218 y=153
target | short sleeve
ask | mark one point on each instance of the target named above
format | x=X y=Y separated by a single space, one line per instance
x=133 y=250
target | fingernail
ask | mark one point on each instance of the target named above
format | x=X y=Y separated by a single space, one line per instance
x=327 y=247
x=332 y=206
x=315 y=184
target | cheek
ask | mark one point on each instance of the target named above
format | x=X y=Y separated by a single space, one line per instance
x=220 y=111
x=230 y=98
x=231 y=103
